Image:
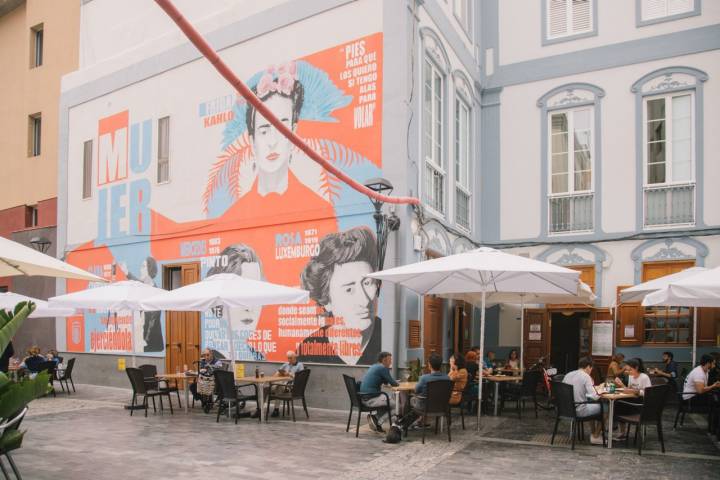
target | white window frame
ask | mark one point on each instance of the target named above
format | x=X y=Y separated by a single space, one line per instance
x=668 y=139
x=642 y=21
x=429 y=157
x=464 y=18
x=460 y=102
x=160 y=147
x=570 y=34
x=37 y=43
x=571 y=149
x=35 y=135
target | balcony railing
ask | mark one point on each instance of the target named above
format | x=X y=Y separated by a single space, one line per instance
x=462 y=208
x=571 y=213
x=669 y=205
x=434 y=188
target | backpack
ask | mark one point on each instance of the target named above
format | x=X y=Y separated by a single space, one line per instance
x=394 y=434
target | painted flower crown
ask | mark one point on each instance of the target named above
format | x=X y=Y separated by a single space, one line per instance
x=281 y=79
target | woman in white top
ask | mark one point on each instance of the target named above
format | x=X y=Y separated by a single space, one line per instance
x=513 y=362
x=637 y=381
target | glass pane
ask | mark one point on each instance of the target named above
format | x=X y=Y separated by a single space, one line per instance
x=560 y=183
x=582 y=160
x=656 y=109
x=682 y=128
x=656 y=173
x=582 y=139
x=582 y=181
x=581 y=118
x=559 y=163
x=560 y=143
x=656 y=131
x=681 y=106
x=656 y=152
x=681 y=163
x=559 y=123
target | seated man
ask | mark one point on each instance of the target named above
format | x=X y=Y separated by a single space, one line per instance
x=289 y=369
x=377 y=376
x=208 y=363
x=584 y=390
x=434 y=364
x=697 y=379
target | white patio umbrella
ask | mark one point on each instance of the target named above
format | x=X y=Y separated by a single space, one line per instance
x=17 y=259
x=701 y=289
x=487 y=272
x=226 y=290
x=8 y=300
x=113 y=298
x=637 y=293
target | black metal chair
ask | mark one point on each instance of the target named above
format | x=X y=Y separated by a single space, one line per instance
x=526 y=390
x=287 y=393
x=650 y=413
x=436 y=404
x=11 y=439
x=140 y=388
x=565 y=408
x=150 y=374
x=51 y=368
x=66 y=375
x=356 y=401
x=468 y=400
x=228 y=394
x=698 y=403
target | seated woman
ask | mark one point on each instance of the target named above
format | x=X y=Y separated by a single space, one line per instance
x=615 y=368
x=471 y=364
x=34 y=360
x=459 y=375
x=636 y=381
x=513 y=362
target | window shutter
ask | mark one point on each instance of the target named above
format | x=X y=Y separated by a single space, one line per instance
x=679 y=6
x=414 y=339
x=557 y=19
x=708 y=326
x=581 y=16
x=652 y=9
x=630 y=322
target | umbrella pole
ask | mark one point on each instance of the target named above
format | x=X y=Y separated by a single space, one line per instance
x=231 y=340
x=132 y=338
x=694 y=350
x=482 y=355
x=522 y=332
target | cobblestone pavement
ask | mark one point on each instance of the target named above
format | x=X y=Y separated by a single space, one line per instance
x=89 y=436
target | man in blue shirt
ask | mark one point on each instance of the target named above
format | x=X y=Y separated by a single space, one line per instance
x=371 y=384
x=434 y=363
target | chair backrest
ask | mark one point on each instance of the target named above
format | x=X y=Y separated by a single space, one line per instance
x=438 y=396
x=558 y=378
x=13 y=421
x=653 y=403
x=530 y=382
x=300 y=382
x=60 y=359
x=50 y=367
x=137 y=380
x=564 y=396
x=656 y=380
x=69 y=368
x=149 y=370
x=225 y=383
x=352 y=389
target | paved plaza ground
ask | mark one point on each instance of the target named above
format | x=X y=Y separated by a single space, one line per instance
x=89 y=436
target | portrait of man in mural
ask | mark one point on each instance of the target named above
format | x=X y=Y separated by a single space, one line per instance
x=336 y=281
x=242 y=260
x=152 y=328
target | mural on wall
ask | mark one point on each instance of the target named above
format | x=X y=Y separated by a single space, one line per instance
x=269 y=212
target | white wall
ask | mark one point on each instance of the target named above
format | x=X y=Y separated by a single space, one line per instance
x=521 y=22
x=521 y=145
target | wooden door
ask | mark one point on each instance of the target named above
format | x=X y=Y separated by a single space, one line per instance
x=182 y=329
x=433 y=321
x=708 y=326
x=536 y=336
x=461 y=328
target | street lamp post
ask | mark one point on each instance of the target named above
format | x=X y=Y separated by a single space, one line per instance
x=41 y=244
x=384 y=224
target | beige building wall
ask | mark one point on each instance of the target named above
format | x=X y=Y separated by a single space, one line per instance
x=25 y=91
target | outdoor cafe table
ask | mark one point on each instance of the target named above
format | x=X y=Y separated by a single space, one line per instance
x=497 y=380
x=402 y=387
x=182 y=377
x=261 y=382
x=620 y=394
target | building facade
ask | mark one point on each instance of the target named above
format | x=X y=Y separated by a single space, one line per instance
x=38 y=44
x=166 y=176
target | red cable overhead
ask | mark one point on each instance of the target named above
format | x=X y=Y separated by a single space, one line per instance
x=208 y=52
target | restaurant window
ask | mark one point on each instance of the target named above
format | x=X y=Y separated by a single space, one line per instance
x=432 y=132
x=87 y=169
x=571 y=170
x=36 y=45
x=34 y=134
x=163 y=168
x=663 y=325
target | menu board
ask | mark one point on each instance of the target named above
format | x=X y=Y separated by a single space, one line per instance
x=602 y=338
